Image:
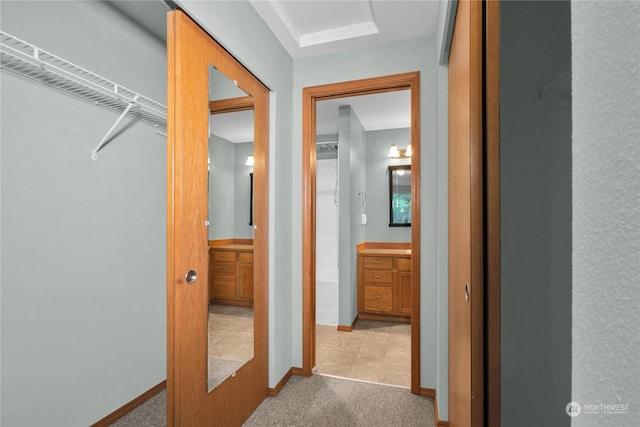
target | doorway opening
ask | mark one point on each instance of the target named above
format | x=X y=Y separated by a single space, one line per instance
x=393 y=291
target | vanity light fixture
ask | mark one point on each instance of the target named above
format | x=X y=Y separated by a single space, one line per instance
x=250 y=160
x=399 y=153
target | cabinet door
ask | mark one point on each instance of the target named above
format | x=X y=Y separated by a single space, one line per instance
x=245 y=281
x=404 y=292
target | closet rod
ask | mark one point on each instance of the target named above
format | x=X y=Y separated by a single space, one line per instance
x=30 y=61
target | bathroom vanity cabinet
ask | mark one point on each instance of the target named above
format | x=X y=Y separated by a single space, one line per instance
x=231 y=272
x=384 y=281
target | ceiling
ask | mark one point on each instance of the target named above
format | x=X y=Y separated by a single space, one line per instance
x=389 y=110
x=308 y=28
x=316 y=27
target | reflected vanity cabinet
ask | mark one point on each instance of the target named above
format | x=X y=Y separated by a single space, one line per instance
x=384 y=281
x=231 y=272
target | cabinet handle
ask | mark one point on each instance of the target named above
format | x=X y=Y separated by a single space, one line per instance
x=377 y=276
x=377 y=296
x=377 y=262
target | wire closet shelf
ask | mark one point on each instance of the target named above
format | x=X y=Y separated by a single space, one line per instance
x=37 y=64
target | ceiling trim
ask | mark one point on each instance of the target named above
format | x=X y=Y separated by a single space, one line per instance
x=337 y=34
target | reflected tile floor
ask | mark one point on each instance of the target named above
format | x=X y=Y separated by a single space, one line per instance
x=374 y=351
x=230 y=332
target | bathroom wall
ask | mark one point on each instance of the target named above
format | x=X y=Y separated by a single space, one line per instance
x=229 y=189
x=221 y=188
x=377 y=184
x=351 y=146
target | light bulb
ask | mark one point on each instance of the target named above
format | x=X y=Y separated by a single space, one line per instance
x=393 y=151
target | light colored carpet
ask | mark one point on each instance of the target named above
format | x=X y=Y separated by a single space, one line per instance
x=318 y=401
x=152 y=413
x=328 y=401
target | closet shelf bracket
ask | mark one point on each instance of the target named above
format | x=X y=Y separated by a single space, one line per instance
x=105 y=138
x=30 y=61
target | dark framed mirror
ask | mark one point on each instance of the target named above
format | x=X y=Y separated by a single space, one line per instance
x=400 y=196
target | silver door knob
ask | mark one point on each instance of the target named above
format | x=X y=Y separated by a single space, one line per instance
x=191 y=277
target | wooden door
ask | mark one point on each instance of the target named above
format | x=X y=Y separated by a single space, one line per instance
x=466 y=218
x=190 y=53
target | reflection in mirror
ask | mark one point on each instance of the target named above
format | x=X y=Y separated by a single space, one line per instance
x=400 y=196
x=231 y=132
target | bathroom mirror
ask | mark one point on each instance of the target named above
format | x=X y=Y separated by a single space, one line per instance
x=400 y=196
x=231 y=315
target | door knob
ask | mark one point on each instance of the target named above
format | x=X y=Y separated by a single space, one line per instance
x=191 y=277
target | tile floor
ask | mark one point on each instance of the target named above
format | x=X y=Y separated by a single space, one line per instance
x=230 y=332
x=374 y=351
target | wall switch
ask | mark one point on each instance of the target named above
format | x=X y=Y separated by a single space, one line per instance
x=364 y=219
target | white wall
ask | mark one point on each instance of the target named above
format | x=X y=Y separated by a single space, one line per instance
x=606 y=210
x=83 y=261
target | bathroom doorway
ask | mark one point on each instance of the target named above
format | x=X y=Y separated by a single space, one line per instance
x=354 y=322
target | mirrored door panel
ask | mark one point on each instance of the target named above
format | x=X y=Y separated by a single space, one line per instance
x=231 y=314
x=202 y=308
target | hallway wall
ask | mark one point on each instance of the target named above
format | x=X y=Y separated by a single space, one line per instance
x=399 y=57
x=606 y=211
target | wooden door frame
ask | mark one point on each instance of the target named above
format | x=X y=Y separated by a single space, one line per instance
x=310 y=95
x=490 y=332
x=190 y=51
x=492 y=212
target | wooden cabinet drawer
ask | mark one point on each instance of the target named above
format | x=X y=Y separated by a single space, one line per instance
x=378 y=298
x=226 y=268
x=245 y=257
x=378 y=276
x=378 y=263
x=403 y=264
x=223 y=256
x=224 y=287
